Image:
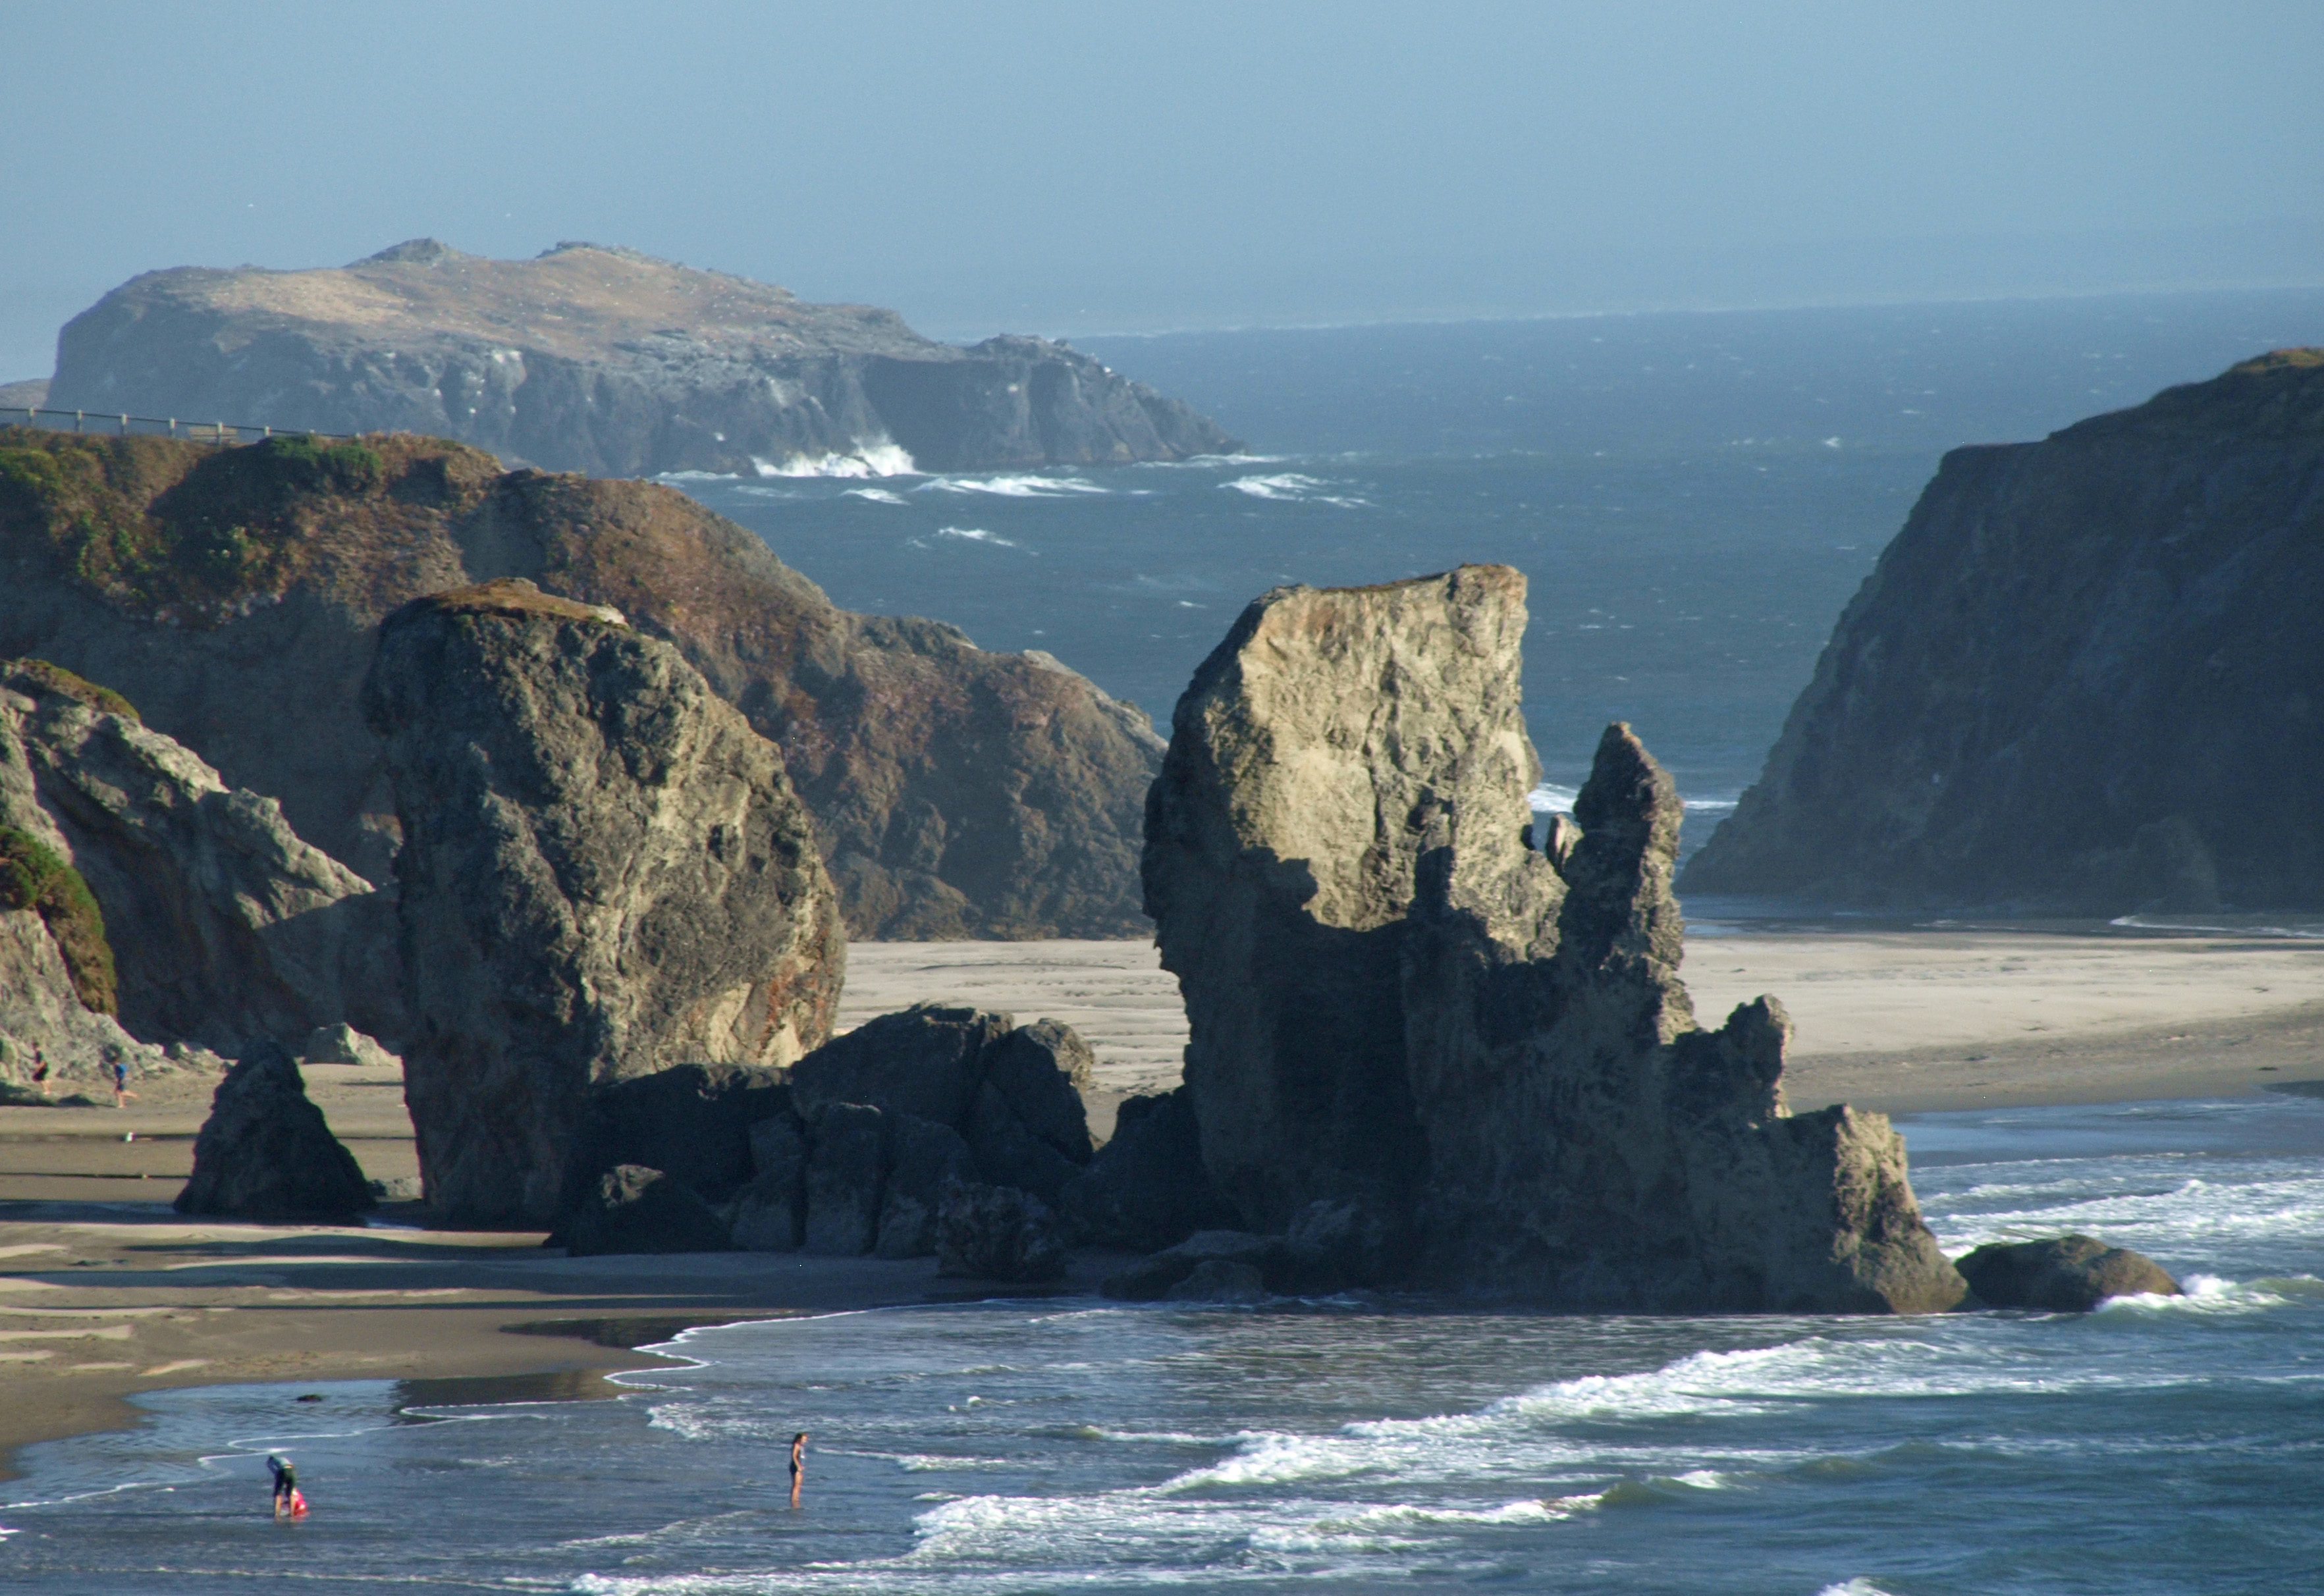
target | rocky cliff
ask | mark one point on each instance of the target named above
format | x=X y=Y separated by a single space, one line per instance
x=1411 y=1027
x=2087 y=677
x=235 y=594
x=604 y=360
x=222 y=926
x=604 y=873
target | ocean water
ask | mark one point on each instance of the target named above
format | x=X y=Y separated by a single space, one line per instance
x=1694 y=497
x=1352 y=1444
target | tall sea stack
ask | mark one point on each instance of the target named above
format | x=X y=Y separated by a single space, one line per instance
x=604 y=873
x=1397 y=1005
x=2087 y=677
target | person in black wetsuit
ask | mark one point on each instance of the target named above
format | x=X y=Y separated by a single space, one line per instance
x=286 y=1482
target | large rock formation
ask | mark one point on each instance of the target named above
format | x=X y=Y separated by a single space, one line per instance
x=603 y=873
x=2084 y=677
x=266 y=1152
x=222 y=925
x=1469 y=1058
x=1010 y=1092
x=605 y=361
x=235 y=595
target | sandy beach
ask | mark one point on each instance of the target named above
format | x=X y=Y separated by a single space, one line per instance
x=103 y=1292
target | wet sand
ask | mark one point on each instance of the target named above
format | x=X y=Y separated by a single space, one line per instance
x=103 y=1292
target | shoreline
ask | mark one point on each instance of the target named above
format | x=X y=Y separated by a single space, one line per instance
x=106 y=1293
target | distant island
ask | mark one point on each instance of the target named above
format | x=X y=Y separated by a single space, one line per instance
x=606 y=361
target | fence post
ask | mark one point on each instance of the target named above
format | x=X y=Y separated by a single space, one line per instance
x=173 y=425
x=124 y=426
x=76 y=419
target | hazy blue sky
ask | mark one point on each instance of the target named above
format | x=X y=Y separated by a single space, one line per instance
x=1061 y=168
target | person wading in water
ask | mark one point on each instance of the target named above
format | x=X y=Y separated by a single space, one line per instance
x=287 y=1502
x=798 y=1464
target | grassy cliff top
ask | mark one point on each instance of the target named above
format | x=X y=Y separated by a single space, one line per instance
x=38 y=675
x=516 y=596
x=578 y=300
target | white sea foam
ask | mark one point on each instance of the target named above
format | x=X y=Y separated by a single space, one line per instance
x=1212 y=462
x=977 y=535
x=2197 y=1215
x=876 y=495
x=1022 y=486
x=1858 y=1586
x=1291 y=487
x=873 y=457
x=1550 y=798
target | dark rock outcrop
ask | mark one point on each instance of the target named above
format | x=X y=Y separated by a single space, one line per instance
x=2065 y=1274
x=698 y=1123
x=222 y=926
x=602 y=360
x=1217 y=1280
x=633 y=1209
x=846 y=1179
x=994 y=1232
x=924 y=1159
x=266 y=1152
x=770 y=1213
x=235 y=595
x=1146 y=1187
x=1400 y=1009
x=2083 y=678
x=926 y=1060
x=604 y=873
x=1010 y=1093
x=1272 y=1262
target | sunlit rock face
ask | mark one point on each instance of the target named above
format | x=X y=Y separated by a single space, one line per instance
x=604 y=873
x=1400 y=1010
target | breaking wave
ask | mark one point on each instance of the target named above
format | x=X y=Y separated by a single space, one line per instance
x=878 y=458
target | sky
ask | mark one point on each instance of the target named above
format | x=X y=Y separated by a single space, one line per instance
x=1091 y=167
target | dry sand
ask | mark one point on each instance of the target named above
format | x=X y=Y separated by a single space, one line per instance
x=104 y=1293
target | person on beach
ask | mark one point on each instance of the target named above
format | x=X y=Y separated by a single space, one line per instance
x=798 y=1464
x=121 y=1095
x=40 y=1069
x=286 y=1486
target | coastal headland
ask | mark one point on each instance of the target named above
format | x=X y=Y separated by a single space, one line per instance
x=104 y=1293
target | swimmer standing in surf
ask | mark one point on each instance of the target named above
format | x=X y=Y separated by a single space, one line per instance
x=798 y=1464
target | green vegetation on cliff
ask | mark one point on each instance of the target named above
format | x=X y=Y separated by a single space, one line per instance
x=56 y=679
x=171 y=530
x=32 y=877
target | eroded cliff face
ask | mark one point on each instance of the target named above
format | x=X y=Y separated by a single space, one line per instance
x=224 y=925
x=2085 y=677
x=604 y=873
x=1397 y=1003
x=604 y=360
x=235 y=595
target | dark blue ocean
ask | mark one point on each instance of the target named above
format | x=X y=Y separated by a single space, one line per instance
x=1694 y=498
